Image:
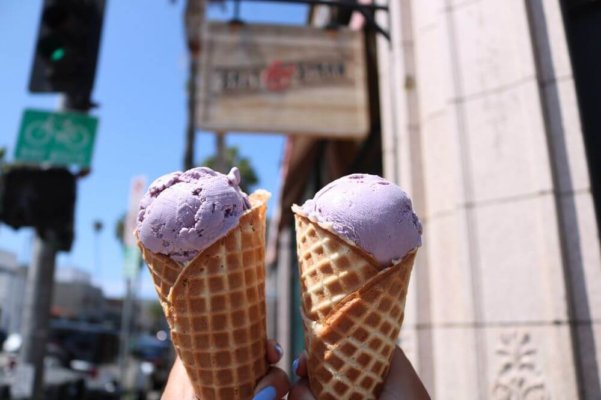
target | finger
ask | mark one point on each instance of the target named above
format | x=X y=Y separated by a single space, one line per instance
x=272 y=386
x=178 y=385
x=402 y=381
x=274 y=351
x=301 y=391
x=299 y=366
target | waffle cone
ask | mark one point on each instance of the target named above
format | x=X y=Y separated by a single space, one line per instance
x=352 y=311
x=215 y=307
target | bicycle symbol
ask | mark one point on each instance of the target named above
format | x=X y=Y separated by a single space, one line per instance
x=41 y=133
x=72 y=136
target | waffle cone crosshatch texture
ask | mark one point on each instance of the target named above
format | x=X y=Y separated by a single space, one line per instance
x=352 y=312
x=215 y=307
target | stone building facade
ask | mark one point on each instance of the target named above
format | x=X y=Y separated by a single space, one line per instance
x=12 y=282
x=488 y=113
x=481 y=124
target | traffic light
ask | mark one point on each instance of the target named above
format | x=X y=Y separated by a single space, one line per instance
x=39 y=198
x=67 y=45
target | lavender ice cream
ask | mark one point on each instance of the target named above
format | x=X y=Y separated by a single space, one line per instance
x=183 y=213
x=371 y=212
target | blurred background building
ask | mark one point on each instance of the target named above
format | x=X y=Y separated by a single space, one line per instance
x=12 y=280
x=486 y=112
x=74 y=296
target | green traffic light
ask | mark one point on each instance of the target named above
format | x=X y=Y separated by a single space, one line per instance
x=57 y=54
x=52 y=48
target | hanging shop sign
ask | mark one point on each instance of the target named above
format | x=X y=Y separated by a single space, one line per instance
x=282 y=79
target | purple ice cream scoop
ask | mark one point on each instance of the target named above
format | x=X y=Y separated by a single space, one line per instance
x=371 y=212
x=183 y=213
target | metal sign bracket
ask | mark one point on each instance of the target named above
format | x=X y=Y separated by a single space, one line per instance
x=367 y=10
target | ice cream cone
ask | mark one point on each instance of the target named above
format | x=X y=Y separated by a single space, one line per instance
x=352 y=311
x=215 y=306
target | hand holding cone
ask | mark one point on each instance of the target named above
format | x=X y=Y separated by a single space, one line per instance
x=215 y=306
x=352 y=310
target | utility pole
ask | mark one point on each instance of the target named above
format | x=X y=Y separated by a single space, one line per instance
x=190 y=127
x=97 y=226
x=193 y=21
x=36 y=313
x=125 y=334
x=43 y=199
x=64 y=61
x=131 y=272
x=40 y=285
x=220 y=162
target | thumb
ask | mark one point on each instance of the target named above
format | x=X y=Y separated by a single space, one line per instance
x=402 y=381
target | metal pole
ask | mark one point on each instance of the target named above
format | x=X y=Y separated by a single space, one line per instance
x=40 y=284
x=36 y=312
x=126 y=315
x=193 y=20
x=190 y=128
x=97 y=226
x=352 y=6
x=220 y=152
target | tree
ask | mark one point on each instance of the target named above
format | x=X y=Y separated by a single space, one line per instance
x=120 y=229
x=2 y=155
x=157 y=317
x=232 y=158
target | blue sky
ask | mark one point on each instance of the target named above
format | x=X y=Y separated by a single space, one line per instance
x=140 y=86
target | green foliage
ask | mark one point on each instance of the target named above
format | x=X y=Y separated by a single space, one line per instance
x=120 y=229
x=233 y=158
x=156 y=310
x=2 y=156
x=157 y=317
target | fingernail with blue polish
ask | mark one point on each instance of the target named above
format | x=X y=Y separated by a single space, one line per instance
x=267 y=393
x=279 y=349
x=295 y=366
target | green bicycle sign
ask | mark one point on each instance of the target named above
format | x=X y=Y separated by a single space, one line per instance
x=56 y=138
